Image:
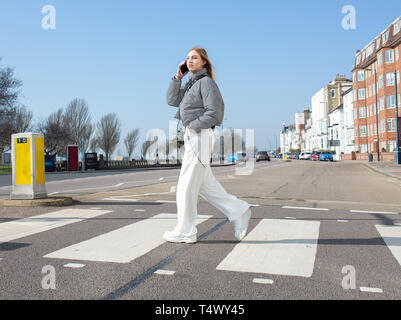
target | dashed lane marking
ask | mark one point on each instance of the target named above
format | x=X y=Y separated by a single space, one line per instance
x=305 y=208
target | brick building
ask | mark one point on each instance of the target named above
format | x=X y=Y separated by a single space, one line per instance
x=379 y=59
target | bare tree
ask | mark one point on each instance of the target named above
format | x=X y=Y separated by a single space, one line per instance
x=78 y=119
x=93 y=145
x=145 y=147
x=108 y=133
x=9 y=93
x=23 y=119
x=56 y=132
x=131 y=141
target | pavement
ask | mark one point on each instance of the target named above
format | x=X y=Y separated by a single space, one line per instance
x=388 y=168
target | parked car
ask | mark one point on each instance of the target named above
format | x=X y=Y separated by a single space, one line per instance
x=305 y=156
x=262 y=155
x=315 y=156
x=236 y=157
x=326 y=156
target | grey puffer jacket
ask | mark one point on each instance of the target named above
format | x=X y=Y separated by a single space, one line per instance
x=202 y=107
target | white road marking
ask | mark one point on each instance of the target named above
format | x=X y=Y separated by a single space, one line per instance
x=305 y=208
x=165 y=272
x=289 y=218
x=392 y=237
x=367 y=289
x=124 y=244
x=74 y=265
x=93 y=188
x=95 y=208
x=342 y=220
x=141 y=210
x=28 y=226
x=263 y=281
x=377 y=212
x=167 y=201
x=118 y=199
x=276 y=246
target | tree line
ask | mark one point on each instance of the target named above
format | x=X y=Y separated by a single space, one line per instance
x=72 y=125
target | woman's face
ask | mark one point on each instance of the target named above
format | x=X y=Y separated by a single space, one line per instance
x=194 y=61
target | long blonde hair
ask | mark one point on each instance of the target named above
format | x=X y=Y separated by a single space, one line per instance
x=209 y=67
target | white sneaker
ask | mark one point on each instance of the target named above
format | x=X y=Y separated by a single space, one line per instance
x=172 y=236
x=241 y=225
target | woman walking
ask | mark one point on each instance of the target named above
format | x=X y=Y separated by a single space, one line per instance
x=201 y=108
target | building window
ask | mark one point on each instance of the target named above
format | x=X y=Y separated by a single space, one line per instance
x=354 y=77
x=381 y=103
x=396 y=54
x=362 y=112
x=361 y=94
x=361 y=75
x=390 y=79
x=397 y=27
x=391 y=146
x=333 y=93
x=380 y=59
x=391 y=124
x=356 y=132
x=388 y=56
x=362 y=131
x=382 y=126
x=364 y=148
x=390 y=102
x=355 y=95
x=385 y=37
x=378 y=43
x=381 y=81
x=358 y=59
x=383 y=146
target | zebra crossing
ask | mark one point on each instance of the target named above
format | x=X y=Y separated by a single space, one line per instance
x=275 y=246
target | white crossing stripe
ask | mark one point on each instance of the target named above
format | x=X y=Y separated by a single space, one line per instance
x=124 y=244
x=20 y=228
x=165 y=272
x=374 y=290
x=74 y=265
x=276 y=246
x=392 y=237
x=262 y=281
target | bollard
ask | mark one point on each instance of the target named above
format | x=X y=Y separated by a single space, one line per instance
x=28 y=175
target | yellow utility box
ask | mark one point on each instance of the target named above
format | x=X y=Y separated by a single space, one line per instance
x=28 y=166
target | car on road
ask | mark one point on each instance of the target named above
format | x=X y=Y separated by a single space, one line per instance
x=305 y=156
x=262 y=155
x=236 y=157
x=326 y=156
x=315 y=156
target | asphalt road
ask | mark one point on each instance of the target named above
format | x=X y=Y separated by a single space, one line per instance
x=313 y=235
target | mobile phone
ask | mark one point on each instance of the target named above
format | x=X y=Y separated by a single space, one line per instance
x=184 y=68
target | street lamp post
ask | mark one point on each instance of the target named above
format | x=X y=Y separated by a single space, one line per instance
x=397 y=159
x=377 y=118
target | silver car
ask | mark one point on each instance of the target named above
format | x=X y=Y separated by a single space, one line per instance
x=262 y=155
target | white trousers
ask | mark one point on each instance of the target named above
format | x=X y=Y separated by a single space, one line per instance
x=196 y=178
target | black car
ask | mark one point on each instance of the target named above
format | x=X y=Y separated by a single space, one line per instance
x=262 y=155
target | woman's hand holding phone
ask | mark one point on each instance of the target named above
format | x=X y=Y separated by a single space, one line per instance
x=182 y=70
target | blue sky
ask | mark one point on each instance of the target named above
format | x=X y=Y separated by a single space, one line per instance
x=269 y=57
